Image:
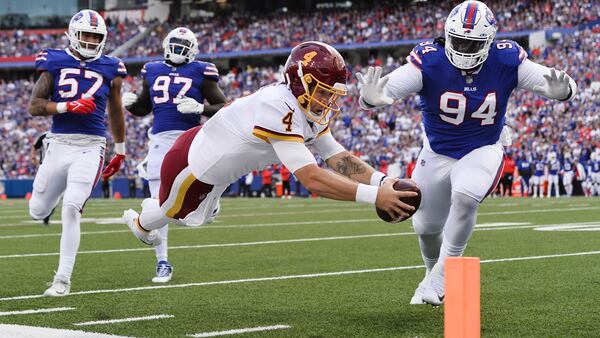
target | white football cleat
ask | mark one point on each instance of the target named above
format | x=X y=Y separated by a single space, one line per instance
x=60 y=286
x=214 y=214
x=164 y=272
x=130 y=217
x=417 y=298
x=433 y=290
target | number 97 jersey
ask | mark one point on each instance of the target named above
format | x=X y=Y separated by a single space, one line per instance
x=168 y=84
x=463 y=112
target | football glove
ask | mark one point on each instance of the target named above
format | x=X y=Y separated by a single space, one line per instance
x=187 y=105
x=128 y=99
x=556 y=87
x=506 y=136
x=372 y=92
x=81 y=106
x=114 y=166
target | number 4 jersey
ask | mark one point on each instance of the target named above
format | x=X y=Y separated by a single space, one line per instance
x=463 y=112
x=74 y=79
x=168 y=83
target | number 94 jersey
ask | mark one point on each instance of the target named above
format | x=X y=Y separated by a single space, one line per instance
x=74 y=79
x=463 y=112
x=168 y=83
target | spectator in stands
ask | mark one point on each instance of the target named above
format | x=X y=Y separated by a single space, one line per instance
x=267 y=181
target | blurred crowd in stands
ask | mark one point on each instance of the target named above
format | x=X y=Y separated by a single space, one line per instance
x=387 y=21
x=390 y=138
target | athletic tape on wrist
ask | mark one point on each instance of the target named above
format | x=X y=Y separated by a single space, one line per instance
x=366 y=194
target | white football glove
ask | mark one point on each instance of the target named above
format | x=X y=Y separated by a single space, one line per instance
x=506 y=136
x=187 y=105
x=128 y=99
x=556 y=87
x=372 y=89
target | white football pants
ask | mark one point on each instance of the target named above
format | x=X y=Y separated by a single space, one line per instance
x=72 y=169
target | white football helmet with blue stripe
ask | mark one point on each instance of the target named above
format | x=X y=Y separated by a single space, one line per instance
x=87 y=21
x=470 y=30
x=181 y=46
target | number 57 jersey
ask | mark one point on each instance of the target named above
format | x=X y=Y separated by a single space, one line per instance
x=463 y=112
x=75 y=78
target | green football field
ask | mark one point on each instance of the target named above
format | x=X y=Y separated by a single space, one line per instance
x=303 y=268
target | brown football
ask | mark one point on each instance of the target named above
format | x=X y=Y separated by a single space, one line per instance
x=403 y=185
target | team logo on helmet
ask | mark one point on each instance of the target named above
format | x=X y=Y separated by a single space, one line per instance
x=316 y=75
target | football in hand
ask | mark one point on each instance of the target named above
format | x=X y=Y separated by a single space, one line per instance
x=415 y=201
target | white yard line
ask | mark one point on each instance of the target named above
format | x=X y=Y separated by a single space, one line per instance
x=200 y=246
x=20 y=331
x=28 y=312
x=123 y=320
x=176 y=228
x=289 y=277
x=239 y=331
x=352 y=209
x=297 y=240
x=313 y=209
x=533 y=211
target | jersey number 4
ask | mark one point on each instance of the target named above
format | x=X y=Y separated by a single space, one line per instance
x=454 y=106
x=161 y=84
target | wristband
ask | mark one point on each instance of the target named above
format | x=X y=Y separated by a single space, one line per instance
x=61 y=107
x=120 y=148
x=366 y=194
x=377 y=178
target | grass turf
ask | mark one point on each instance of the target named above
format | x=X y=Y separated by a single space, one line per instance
x=259 y=238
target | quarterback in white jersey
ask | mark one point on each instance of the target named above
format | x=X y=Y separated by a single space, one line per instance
x=273 y=125
x=464 y=82
x=174 y=90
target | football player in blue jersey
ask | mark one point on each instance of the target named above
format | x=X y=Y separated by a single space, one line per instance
x=594 y=173
x=174 y=90
x=75 y=87
x=539 y=176
x=567 y=174
x=464 y=81
x=524 y=169
x=553 y=169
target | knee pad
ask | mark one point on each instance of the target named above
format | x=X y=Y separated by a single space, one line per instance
x=424 y=227
x=464 y=204
x=38 y=211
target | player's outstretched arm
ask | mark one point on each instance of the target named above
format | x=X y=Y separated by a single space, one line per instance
x=138 y=105
x=329 y=185
x=345 y=163
x=352 y=167
x=300 y=161
x=546 y=81
x=116 y=120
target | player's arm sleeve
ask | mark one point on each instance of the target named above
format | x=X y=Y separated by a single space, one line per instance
x=41 y=61
x=532 y=74
x=276 y=121
x=121 y=69
x=326 y=146
x=211 y=72
x=405 y=80
x=293 y=155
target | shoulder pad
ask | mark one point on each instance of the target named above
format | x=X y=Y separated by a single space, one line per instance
x=425 y=52
x=509 y=52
